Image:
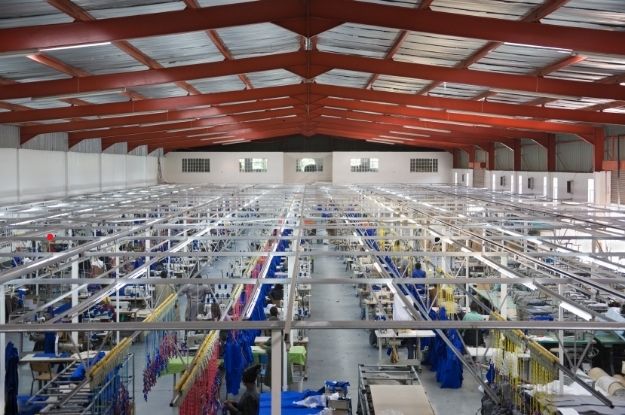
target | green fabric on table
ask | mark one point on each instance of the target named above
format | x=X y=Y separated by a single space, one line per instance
x=177 y=365
x=608 y=339
x=256 y=352
x=297 y=355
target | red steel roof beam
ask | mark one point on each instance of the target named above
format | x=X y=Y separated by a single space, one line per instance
x=207 y=133
x=255 y=137
x=543 y=126
x=151 y=76
x=29 y=132
x=548 y=7
x=155 y=104
x=80 y=14
x=490 y=108
x=146 y=25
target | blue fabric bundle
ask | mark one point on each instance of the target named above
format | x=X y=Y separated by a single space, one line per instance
x=80 y=371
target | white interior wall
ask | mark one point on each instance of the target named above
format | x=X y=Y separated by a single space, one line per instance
x=462 y=177
x=394 y=167
x=292 y=176
x=579 y=186
x=8 y=172
x=82 y=169
x=224 y=168
x=39 y=174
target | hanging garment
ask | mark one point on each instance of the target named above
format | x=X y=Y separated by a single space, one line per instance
x=450 y=370
x=11 y=380
x=234 y=364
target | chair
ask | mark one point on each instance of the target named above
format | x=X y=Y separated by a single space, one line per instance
x=264 y=362
x=41 y=372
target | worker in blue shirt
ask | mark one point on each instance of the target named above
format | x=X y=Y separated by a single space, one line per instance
x=419 y=273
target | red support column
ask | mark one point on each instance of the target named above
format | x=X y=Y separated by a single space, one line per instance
x=490 y=149
x=471 y=153
x=551 y=153
x=516 y=147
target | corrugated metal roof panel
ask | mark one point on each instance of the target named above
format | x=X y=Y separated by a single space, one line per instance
x=510 y=98
x=22 y=69
x=499 y=9
x=398 y=84
x=575 y=104
x=457 y=90
x=357 y=39
x=160 y=91
x=46 y=103
x=429 y=49
x=597 y=14
x=16 y=13
x=342 y=77
x=593 y=68
x=179 y=49
x=104 y=10
x=275 y=77
x=99 y=59
x=519 y=59
x=218 y=84
x=106 y=98
x=258 y=39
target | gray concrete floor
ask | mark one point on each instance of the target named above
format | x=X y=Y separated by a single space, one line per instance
x=335 y=354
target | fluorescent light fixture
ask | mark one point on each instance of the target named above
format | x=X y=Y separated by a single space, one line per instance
x=18 y=54
x=409 y=134
x=377 y=267
x=222 y=137
x=530 y=285
x=382 y=141
x=577 y=311
x=229 y=142
x=391 y=137
x=84 y=45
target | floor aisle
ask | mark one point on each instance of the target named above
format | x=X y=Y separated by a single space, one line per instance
x=337 y=353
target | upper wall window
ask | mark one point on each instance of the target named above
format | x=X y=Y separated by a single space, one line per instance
x=309 y=165
x=364 y=165
x=424 y=165
x=250 y=165
x=196 y=165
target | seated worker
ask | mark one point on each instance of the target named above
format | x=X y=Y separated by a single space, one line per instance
x=473 y=337
x=249 y=403
x=273 y=316
x=276 y=294
x=419 y=273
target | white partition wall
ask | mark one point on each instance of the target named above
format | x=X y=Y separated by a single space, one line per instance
x=40 y=174
x=83 y=169
x=9 y=185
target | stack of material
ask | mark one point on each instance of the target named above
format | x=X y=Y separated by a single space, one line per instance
x=612 y=385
